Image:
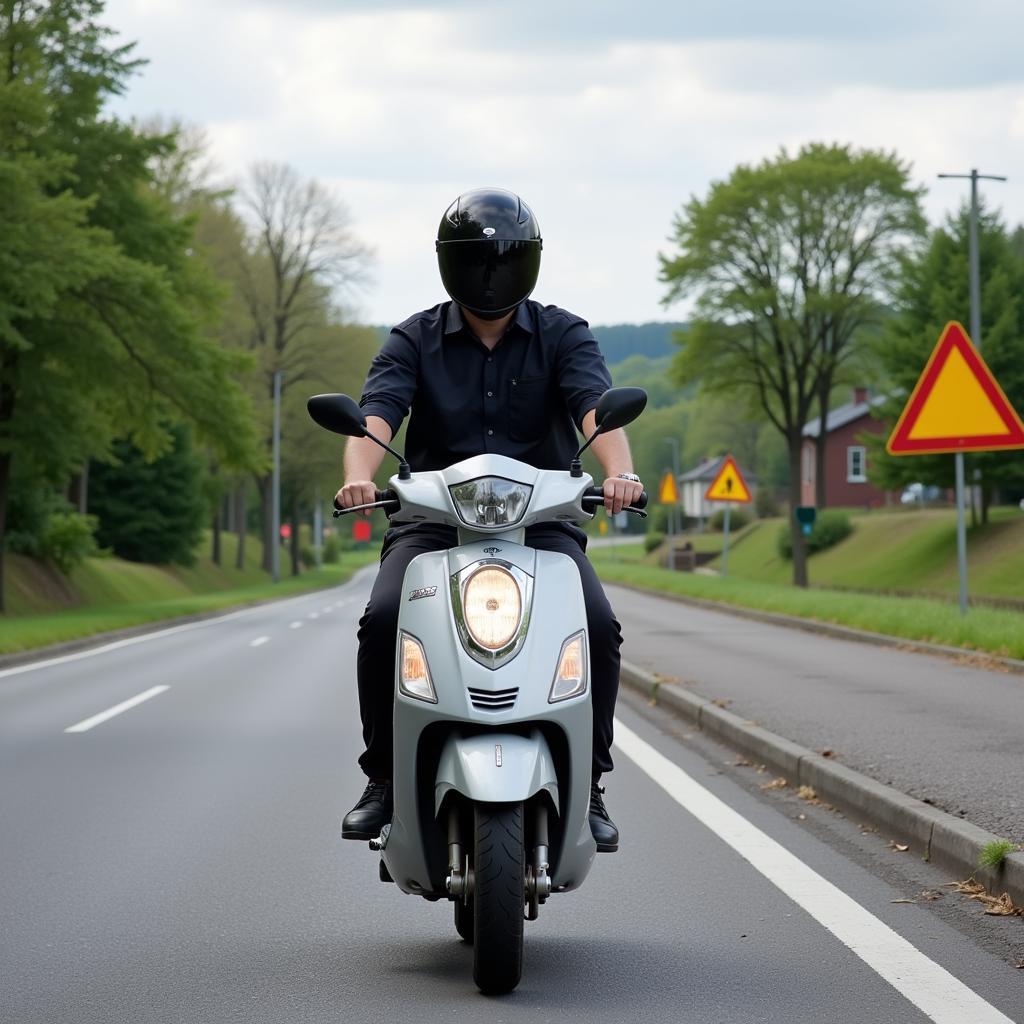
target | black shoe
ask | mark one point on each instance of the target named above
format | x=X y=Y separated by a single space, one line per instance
x=371 y=813
x=603 y=828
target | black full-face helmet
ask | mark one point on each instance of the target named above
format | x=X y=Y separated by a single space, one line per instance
x=488 y=251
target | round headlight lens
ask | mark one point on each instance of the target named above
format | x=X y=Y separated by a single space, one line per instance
x=492 y=606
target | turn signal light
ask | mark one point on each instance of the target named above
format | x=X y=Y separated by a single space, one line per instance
x=571 y=675
x=414 y=679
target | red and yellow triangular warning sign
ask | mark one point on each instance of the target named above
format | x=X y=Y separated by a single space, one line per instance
x=957 y=405
x=668 y=493
x=729 y=484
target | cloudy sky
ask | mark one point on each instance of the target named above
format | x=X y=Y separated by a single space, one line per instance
x=605 y=116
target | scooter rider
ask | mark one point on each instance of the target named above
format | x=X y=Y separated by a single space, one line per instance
x=488 y=372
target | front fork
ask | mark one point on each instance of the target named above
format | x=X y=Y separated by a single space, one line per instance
x=537 y=882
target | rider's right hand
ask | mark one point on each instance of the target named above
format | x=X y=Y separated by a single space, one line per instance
x=356 y=492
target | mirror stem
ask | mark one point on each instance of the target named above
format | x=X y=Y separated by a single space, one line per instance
x=576 y=467
x=404 y=472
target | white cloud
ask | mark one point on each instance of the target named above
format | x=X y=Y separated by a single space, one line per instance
x=604 y=127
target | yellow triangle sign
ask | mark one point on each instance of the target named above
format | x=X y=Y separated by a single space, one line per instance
x=729 y=484
x=957 y=405
x=668 y=493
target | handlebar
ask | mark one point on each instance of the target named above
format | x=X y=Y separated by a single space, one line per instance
x=594 y=496
x=386 y=500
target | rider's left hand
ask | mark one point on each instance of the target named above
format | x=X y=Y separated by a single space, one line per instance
x=619 y=493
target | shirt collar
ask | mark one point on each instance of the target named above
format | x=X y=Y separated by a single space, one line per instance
x=454 y=321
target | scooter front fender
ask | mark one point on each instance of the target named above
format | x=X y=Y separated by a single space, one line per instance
x=496 y=768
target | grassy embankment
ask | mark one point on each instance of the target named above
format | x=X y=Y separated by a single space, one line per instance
x=887 y=551
x=107 y=593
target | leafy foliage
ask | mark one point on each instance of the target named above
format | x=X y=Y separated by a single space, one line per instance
x=67 y=539
x=831 y=526
x=738 y=518
x=151 y=511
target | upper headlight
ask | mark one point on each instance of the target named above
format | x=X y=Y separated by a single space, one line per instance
x=491 y=501
x=492 y=606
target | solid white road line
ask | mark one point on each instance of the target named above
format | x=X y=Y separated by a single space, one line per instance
x=295 y=625
x=259 y=641
x=932 y=989
x=88 y=723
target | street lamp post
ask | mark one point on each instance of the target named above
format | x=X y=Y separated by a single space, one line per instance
x=974 y=264
x=275 y=514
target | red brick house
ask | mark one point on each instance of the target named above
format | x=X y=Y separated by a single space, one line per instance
x=846 y=457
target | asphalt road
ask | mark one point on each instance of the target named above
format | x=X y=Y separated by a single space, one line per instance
x=942 y=731
x=179 y=862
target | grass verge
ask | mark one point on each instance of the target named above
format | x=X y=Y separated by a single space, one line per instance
x=984 y=629
x=26 y=632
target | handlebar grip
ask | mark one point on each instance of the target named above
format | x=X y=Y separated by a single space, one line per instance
x=386 y=495
x=641 y=502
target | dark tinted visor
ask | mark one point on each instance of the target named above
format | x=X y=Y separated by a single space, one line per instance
x=489 y=276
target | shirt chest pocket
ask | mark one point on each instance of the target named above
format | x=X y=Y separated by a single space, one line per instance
x=528 y=408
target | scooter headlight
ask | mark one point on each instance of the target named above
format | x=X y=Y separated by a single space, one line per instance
x=491 y=501
x=571 y=675
x=492 y=606
x=414 y=677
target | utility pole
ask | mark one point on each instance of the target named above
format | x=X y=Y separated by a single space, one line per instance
x=974 y=263
x=318 y=530
x=275 y=515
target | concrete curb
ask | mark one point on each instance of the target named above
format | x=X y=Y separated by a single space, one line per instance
x=85 y=643
x=978 y=659
x=936 y=836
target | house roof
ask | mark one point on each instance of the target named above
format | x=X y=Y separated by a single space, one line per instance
x=841 y=415
x=708 y=470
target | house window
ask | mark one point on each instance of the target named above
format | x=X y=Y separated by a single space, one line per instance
x=856 y=465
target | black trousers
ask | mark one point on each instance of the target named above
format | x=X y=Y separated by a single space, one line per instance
x=378 y=633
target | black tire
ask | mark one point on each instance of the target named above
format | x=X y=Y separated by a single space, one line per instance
x=464 y=921
x=498 y=896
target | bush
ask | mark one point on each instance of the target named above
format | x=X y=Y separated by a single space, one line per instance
x=766 y=505
x=831 y=526
x=738 y=518
x=331 y=550
x=307 y=556
x=67 y=539
x=653 y=540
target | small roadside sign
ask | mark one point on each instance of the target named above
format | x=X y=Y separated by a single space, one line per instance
x=957 y=405
x=362 y=531
x=668 y=492
x=729 y=484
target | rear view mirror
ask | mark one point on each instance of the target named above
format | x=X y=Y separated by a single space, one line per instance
x=619 y=406
x=338 y=413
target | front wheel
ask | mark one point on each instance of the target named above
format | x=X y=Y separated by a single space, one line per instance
x=464 y=920
x=498 y=896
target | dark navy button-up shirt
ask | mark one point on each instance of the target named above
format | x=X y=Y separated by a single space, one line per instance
x=523 y=399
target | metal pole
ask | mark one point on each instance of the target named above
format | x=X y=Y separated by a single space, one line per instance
x=725 y=539
x=961 y=532
x=275 y=514
x=974 y=270
x=318 y=531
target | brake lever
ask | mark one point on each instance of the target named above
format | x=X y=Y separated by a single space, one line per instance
x=389 y=503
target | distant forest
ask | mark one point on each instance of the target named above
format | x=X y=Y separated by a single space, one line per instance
x=620 y=341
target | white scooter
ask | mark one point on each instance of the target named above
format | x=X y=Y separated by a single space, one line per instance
x=493 y=717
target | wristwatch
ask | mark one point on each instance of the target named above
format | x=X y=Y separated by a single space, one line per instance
x=628 y=476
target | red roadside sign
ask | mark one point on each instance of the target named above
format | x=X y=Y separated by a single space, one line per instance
x=362 y=530
x=957 y=405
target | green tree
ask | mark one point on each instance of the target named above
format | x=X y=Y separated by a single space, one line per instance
x=102 y=301
x=789 y=262
x=934 y=290
x=150 y=510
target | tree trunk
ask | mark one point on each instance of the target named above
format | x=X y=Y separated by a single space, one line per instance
x=294 y=541
x=266 y=486
x=241 y=525
x=796 y=534
x=5 y=474
x=986 y=501
x=821 y=443
x=78 y=492
x=215 y=552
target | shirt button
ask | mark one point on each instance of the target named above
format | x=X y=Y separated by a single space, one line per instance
x=490 y=433
x=490 y=359
x=490 y=394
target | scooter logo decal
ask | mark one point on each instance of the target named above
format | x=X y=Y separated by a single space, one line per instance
x=497 y=755
x=489 y=231
x=491 y=551
x=415 y=595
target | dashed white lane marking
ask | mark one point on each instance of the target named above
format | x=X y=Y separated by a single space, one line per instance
x=326 y=609
x=296 y=625
x=86 y=724
x=314 y=615
x=932 y=989
x=259 y=641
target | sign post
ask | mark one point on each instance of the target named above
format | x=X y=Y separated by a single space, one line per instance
x=956 y=406
x=730 y=487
